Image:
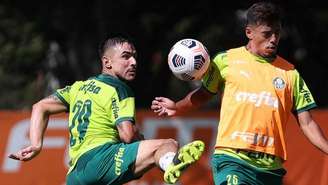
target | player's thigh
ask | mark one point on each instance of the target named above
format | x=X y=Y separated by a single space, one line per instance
x=118 y=163
x=272 y=177
x=147 y=149
x=232 y=171
x=229 y=176
x=71 y=179
x=227 y=172
x=106 y=164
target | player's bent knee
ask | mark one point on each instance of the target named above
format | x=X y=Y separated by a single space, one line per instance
x=158 y=143
x=150 y=150
x=172 y=141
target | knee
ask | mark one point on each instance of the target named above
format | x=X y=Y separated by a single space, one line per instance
x=173 y=141
x=170 y=141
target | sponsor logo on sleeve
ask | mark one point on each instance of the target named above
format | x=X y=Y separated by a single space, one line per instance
x=307 y=95
x=115 y=108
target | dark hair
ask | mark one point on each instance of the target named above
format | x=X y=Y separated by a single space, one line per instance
x=263 y=13
x=111 y=42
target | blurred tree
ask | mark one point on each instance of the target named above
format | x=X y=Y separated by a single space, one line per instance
x=21 y=53
x=50 y=44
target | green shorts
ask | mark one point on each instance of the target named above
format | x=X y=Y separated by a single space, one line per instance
x=229 y=170
x=110 y=164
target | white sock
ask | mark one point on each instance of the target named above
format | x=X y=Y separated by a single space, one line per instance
x=166 y=160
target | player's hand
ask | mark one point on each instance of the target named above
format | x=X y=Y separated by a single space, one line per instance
x=26 y=154
x=163 y=106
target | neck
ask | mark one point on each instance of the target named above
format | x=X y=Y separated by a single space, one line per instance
x=108 y=72
x=250 y=49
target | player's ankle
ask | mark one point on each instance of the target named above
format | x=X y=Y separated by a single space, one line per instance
x=166 y=160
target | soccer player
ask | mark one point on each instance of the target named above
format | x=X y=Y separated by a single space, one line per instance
x=260 y=90
x=105 y=146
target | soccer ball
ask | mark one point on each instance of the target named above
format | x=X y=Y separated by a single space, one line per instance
x=188 y=59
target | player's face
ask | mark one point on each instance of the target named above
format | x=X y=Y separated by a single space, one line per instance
x=264 y=39
x=123 y=61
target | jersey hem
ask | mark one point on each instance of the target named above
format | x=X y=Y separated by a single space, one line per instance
x=259 y=163
x=311 y=106
x=124 y=119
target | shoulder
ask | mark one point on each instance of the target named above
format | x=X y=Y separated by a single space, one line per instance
x=221 y=59
x=220 y=56
x=122 y=89
x=69 y=88
x=283 y=64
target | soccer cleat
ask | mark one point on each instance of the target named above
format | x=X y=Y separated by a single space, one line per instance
x=187 y=155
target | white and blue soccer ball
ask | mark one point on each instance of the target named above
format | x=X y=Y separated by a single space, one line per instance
x=188 y=59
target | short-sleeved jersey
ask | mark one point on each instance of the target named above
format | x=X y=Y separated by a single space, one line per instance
x=258 y=96
x=96 y=106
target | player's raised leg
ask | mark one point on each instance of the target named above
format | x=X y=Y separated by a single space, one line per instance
x=164 y=154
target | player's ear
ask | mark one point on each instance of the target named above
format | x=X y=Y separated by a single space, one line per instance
x=106 y=62
x=249 y=32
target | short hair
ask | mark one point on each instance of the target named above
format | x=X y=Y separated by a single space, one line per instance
x=112 y=42
x=263 y=13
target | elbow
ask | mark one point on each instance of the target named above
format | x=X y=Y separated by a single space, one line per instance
x=36 y=107
x=39 y=108
x=127 y=132
x=128 y=137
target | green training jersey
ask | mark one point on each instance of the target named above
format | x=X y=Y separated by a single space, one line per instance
x=96 y=106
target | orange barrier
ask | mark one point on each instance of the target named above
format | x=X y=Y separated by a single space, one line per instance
x=306 y=165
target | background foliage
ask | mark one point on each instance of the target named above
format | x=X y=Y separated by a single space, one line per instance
x=49 y=44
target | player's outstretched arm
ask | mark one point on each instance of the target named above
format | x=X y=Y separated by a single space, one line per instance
x=312 y=131
x=39 y=121
x=166 y=107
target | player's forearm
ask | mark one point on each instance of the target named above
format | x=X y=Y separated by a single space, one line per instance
x=314 y=133
x=39 y=122
x=185 y=105
x=193 y=100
